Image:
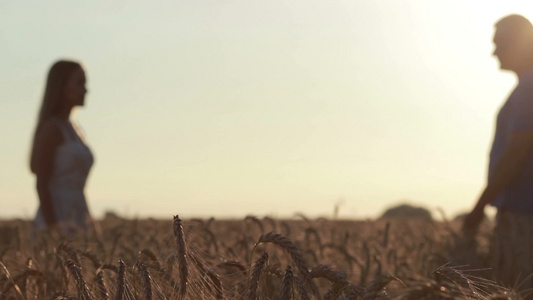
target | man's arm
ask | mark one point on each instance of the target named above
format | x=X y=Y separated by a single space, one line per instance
x=506 y=170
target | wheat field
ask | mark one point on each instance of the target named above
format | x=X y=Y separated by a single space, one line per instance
x=252 y=258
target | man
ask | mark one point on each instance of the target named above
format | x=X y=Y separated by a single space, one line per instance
x=510 y=183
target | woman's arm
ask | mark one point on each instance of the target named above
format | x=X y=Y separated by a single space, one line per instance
x=49 y=139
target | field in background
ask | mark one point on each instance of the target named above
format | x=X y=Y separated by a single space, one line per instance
x=253 y=258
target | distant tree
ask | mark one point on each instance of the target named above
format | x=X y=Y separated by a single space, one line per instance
x=109 y=214
x=406 y=211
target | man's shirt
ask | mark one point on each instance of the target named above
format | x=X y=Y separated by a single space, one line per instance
x=516 y=115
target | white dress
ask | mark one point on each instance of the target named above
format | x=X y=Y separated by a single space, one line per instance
x=72 y=163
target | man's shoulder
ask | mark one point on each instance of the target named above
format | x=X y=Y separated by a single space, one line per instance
x=523 y=93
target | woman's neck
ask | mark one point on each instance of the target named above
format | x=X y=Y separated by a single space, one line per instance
x=64 y=114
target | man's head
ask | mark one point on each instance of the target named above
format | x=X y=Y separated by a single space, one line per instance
x=513 y=40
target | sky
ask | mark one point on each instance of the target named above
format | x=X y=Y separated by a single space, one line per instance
x=243 y=107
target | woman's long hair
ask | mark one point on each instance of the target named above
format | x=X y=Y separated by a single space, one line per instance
x=52 y=103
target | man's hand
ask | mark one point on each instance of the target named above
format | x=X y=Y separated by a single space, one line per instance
x=473 y=219
x=507 y=168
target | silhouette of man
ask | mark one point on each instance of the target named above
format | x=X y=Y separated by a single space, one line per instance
x=510 y=179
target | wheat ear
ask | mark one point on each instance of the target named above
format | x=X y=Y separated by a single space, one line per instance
x=256 y=273
x=83 y=290
x=120 y=280
x=147 y=280
x=286 y=284
x=295 y=255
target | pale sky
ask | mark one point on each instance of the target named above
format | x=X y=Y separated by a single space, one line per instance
x=237 y=107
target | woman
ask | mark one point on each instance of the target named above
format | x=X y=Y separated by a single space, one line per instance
x=60 y=159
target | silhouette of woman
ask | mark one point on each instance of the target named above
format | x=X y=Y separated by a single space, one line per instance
x=60 y=158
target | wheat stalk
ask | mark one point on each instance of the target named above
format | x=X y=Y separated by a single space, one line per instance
x=256 y=273
x=286 y=285
x=180 y=241
x=166 y=275
x=104 y=295
x=120 y=280
x=295 y=255
x=13 y=282
x=219 y=294
x=83 y=290
x=147 y=280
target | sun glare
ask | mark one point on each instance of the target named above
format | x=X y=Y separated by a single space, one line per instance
x=491 y=11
